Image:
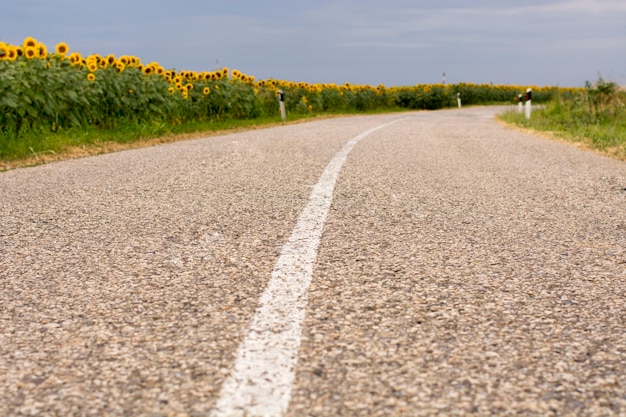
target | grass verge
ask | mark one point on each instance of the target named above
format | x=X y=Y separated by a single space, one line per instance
x=40 y=148
x=606 y=136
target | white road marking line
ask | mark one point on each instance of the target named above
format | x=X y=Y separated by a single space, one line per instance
x=261 y=381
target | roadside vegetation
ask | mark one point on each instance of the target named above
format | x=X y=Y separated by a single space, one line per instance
x=593 y=118
x=59 y=104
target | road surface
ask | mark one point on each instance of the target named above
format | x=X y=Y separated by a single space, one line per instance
x=391 y=265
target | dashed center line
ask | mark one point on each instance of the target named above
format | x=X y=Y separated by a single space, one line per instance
x=262 y=378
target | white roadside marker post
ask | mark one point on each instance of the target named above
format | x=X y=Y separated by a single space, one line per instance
x=520 y=106
x=458 y=99
x=528 y=96
x=281 y=102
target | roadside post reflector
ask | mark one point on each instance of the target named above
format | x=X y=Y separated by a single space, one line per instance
x=281 y=102
x=458 y=99
x=520 y=106
x=528 y=100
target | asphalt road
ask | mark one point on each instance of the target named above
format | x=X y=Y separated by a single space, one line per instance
x=451 y=266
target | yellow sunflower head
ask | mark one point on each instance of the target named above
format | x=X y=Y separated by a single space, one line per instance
x=62 y=48
x=30 y=52
x=91 y=76
x=147 y=70
x=11 y=53
x=92 y=65
x=29 y=41
x=120 y=67
x=206 y=91
x=189 y=87
x=111 y=59
x=19 y=50
x=75 y=58
x=3 y=50
x=96 y=57
x=43 y=51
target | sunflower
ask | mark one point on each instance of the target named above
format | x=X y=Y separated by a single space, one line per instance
x=91 y=76
x=92 y=65
x=171 y=90
x=189 y=87
x=19 y=50
x=224 y=72
x=147 y=70
x=185 y=94
x=29 y=41
x=111 y=59
x=30 y=52
x=11 y=53
x=3 y=50
x=206 y=91
x=62 y=48
x=43 y=51
x=75 y=58
x=97 y=57
x=120 y=67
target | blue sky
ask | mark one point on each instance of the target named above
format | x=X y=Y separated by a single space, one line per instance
x=391 y=42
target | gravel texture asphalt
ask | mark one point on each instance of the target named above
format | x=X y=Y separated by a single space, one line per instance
x=464 y=268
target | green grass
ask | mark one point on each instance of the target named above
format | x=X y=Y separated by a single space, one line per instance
x=40 y=147
x=595 y=119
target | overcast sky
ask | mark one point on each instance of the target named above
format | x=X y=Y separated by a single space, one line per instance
x=391 y=42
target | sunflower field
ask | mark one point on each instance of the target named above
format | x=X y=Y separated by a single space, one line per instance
x=44 y=90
